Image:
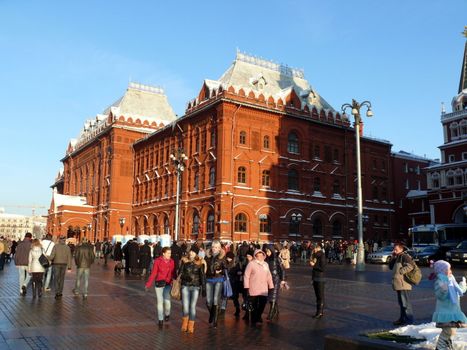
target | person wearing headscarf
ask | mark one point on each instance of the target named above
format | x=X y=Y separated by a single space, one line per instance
x=257 y=282
x=278 y=278
x=448 y=314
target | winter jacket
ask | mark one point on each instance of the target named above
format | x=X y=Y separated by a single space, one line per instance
x=446 y=311
x=61 y=255
x=163 y=270
x=258 y=278
x=319 y=267
x=84 y=256
x=34 y=265
x=401 y=264
x=145 y=256
x=284 y=255
x=192 y=273
x=277 y=273
x=215 y=265
x=118 y=254
x=22 y=252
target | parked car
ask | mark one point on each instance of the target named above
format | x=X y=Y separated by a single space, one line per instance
x=432 y=252
x=383 y=255
x=458 y=254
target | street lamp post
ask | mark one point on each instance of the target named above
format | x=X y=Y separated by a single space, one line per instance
x=90 y=232
x=178 y=158
x=355 y=110
x=122 y=223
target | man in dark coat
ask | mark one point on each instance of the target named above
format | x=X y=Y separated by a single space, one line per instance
x=157 y=251
x=176 y=254
x=145 y=257
x=133 y=252
x=318 y=262
x=126 y=256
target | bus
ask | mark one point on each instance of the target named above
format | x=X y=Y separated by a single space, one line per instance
x=442 y=235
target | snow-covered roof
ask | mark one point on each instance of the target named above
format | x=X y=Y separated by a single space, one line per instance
x=75 y=201
x=269 y=78
x=412 y=156
x=416 y=193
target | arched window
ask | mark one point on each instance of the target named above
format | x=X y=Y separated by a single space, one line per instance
x=265 y=224
x=210 y=224
x=454 y=130
x=166 y=226
x=450 y=178
x=458 y=177
x=336 y=187
x=435 y=180
x=266 y=142
x=155 y=226
x=212 y=177
x=213 y=138
x=336 y=155
x=463 y=128
x=241 y=223
x=336 y=228
x=292 y=143
x=242 y=139
x=196 y=181
x=317 y=227
x=195 y=229
x=317 y=184
x=265 y=178
x=241 y=175
x=197 y=141
x=292 y=179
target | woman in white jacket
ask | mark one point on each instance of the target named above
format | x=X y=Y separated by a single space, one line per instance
x=35 y=269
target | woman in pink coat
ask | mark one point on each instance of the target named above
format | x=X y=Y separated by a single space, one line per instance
x=257 y=282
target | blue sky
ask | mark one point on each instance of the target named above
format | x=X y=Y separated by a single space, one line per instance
x=63 y=62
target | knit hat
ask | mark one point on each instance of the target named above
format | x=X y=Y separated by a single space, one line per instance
x=441 y=267
x=257 y=251
x=195 y=249
x=250 y=252
x=230 y=255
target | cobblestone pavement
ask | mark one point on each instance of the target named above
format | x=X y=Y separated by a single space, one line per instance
x=118 y=313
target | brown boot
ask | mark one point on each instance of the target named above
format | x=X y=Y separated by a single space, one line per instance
x=184 y=324
x=191 y=326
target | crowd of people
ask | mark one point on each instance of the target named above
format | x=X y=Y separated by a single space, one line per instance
x=249 y=274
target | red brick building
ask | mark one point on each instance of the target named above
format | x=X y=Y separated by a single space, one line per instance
x=268 y=158
x=410 y=191
x=447 y=182
x=94 y=190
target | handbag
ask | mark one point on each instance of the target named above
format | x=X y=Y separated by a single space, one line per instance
x=414 y=276
x=227 y=287
x=44 y=261
x=176 y=289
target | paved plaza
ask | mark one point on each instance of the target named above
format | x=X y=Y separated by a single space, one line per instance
x=119 y=314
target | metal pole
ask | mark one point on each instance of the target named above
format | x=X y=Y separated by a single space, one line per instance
x=177 y=203
x=360 y=266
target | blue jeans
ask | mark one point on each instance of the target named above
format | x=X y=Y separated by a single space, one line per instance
x=24 y=277
x=405 y=306
x=189 y=299
x=82 y=273
x=163 y=301
x=213 y=293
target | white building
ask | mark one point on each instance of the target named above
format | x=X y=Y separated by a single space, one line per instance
x=15 y=226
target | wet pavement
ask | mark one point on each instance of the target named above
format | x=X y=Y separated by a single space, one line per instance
x=118 y=313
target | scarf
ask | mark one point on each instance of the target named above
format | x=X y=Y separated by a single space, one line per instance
x=454 y=290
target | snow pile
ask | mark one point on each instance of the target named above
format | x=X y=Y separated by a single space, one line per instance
x=429 y=332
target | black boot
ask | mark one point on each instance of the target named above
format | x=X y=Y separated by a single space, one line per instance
x=319 y=311
x=215 y=316
x=33 y=285
x=211 y=313
x=39 y=288
x=237 y=311
x=271 y=311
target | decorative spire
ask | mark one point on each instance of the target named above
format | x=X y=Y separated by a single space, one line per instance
x=463 y=80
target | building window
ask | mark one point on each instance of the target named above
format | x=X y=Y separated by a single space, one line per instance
x=213 y=138
x=384 y=193
x=210 y=224
x=383 y=165
x=196 y=181
x=454 y=130
x=166 y=226
x=241 y=223
x=435 y=180
x=464 y=155
x=195 y=229
x=197 y=143
x=266 y=142
x=265 y=224
x=292 y=178
x=406 y=168
x=375 y=193
x=212 y=177
x=265 y=178
x=327 y=154
x=317 y=152
x=292 y=143
x=463 y=127
x=337 y=228
x=458 y=177
x=336 y=155
x=317 y=227
x=385 y=220
x=203 y=142
x=452 y=158
x=450 y=178
x=375 y=164
x=242 y=137
x=317 y=184
x=241 y=175
x=336 y=187
x=417 y=169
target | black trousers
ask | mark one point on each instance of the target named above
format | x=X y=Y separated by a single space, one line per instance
x=318 y=286
x=59 y=277
x=2 y=260
x=259 y=303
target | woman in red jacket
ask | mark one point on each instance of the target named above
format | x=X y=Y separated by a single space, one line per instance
x=163 y=272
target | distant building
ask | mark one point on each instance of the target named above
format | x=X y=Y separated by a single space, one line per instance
x=15 y=226
x=447 y=182
x=410 y=191
x=94 y=190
